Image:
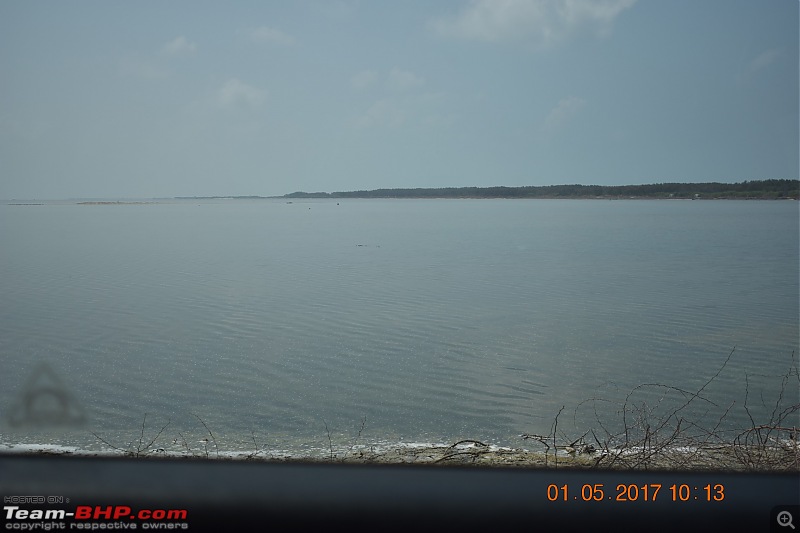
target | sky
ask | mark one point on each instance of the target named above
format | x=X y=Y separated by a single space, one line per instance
x=110 y=99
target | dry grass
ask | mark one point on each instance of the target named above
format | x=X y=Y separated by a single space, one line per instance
x=663 y=435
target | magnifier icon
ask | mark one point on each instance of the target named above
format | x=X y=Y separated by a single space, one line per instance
x=785 y=519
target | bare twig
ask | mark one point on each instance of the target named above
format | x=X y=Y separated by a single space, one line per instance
x=210 y=433
x=451 y=452
x=141 y=448
x=360 y=431
x=256 y=449
x=330 y=442
x=185 y=444
x=555 y=429
x=104 y=441
x=652 y=436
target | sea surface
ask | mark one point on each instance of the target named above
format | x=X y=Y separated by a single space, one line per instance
x=304 y=326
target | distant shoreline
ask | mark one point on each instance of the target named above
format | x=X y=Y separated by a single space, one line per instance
x=114 y=203
x=762 y=190
x=776 y=189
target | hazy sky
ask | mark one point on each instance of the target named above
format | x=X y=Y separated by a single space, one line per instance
x=183 y=98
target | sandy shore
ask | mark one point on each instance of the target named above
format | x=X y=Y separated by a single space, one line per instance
x=474 y=453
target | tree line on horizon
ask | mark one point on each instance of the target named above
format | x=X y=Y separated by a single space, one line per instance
x=766 y=189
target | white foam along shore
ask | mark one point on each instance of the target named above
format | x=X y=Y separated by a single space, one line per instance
x=207 y=449
x=466 y=451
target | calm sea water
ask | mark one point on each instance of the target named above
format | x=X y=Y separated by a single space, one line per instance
x=430 y=320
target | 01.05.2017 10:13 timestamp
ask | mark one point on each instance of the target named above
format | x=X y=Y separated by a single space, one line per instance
x=649 y=492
